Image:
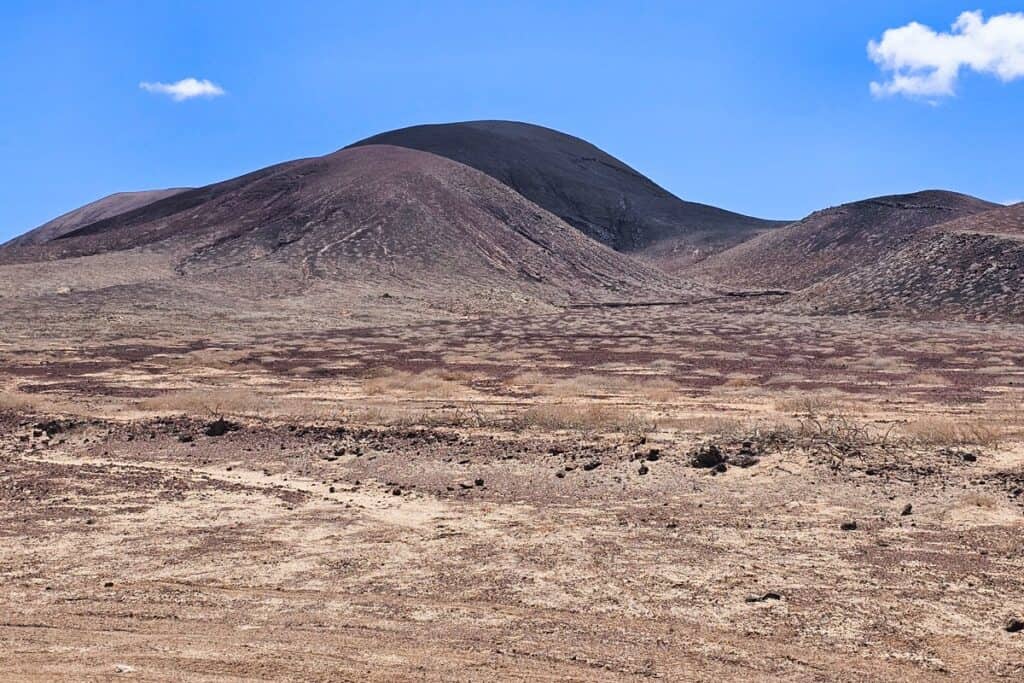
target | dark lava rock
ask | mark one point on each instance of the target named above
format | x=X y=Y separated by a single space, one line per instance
x=763 y=597
x=560 y=474
x=708 y=455
x=220 y=427
x=479 y=482
x=396 y=492
x=653 y=455
x=848 y=526
x=592 y=465
x=907 y=510
x=643 y=470
x=185 y=438
x=51 y=427
x=744 y=460
x=1013 y=625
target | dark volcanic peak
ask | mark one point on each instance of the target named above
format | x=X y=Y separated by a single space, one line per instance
x=971 y=267
x=835 y=240
x=583 y=185
x=374 y=215
x=100 y=209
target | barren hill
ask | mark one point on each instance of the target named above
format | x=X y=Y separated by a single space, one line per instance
x=835 y=241
x=585 y=186
x=111 y=205
x=370 y=219
x=971 y=267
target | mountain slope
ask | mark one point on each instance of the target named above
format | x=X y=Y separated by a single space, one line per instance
x=585 y=186
x=383 y=217
x=834 y=241
x=972 y=267
x=111 y=205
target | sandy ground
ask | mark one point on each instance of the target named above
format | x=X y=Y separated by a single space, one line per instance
x=325 y=539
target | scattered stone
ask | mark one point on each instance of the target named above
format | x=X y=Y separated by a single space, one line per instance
x=848 y=526
x=466 y=484
x=654 y=455
x=185 y=438
x=1013 y=625
x=720 y=468
x=744 y=460
x=396 y=492
x=108 y=584
x=592 y=465
x=907 y=510
x=123 y=668
x=220 y=427
x=560 y=474
x=479 y=482
x=708 y=456
x=764 y=597
x=331 y=489
x=643 y=470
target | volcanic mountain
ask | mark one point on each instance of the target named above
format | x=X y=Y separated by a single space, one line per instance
x=371 y=220
x=111 y=205
x=586 y=187
x=835 y=241
x=971 y=267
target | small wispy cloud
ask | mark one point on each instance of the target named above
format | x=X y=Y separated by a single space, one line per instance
x=921 y=62
x=1011 y=202
x=185 y=89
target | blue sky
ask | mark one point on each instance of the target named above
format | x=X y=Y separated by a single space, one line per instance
x=758 y=107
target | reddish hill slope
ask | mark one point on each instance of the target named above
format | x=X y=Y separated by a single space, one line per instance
x=972 y=267
x=586 y=187
x=835 y=241
x=111 y=205
x=373 y=216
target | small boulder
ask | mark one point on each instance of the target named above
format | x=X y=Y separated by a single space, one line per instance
x=707 y=456
x=220 y=427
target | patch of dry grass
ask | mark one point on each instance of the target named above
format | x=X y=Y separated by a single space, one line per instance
x=439 y=384
x=951 y=431
x=577 y=417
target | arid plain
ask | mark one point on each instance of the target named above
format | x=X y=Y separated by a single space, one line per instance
x=256 y=458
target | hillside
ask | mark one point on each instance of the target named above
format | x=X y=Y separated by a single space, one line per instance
x=834 y=241
x=584 y=186
x=371 y=219
x=972 y=267
x=111 y=205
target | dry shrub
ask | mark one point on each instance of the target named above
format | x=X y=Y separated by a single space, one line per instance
x=930 y=379
x=394 y=415
x=559 y=416
x=807 y=404
x=949 y=431
x=786 y=378
x=979 y=500
x=739 y=379
x=528 y=379
x=213 y=402
x=429 y=384
x=587 y=386
x=11 y=399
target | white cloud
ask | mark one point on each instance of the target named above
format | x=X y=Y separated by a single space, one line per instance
x=921 y=62
x=185 y=89
x=1011 y=202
